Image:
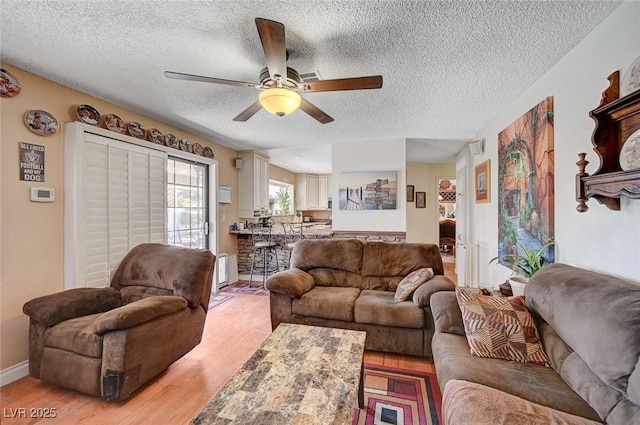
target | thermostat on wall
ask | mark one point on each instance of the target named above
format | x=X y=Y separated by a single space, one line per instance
x=42 y=194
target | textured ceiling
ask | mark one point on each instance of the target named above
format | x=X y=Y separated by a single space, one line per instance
x=449 y=67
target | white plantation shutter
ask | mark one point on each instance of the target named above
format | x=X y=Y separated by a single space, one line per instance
x=115 y=192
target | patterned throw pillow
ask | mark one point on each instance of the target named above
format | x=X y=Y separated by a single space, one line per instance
x=411 y=282
x=500 y=328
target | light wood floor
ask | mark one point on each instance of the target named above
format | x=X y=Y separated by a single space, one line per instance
x=233 y=331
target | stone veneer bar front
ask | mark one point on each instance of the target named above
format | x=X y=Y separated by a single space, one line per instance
x=245 y=241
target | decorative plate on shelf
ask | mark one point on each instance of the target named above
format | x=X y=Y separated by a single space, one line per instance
x=41 y=122
x=114 y=123
x=88 y=115
x=197 y=148
x=631 y=79
x=185 y=145
x=208 y=152
x=171 y=141
x=136 y=130
x=154 y=135
x=9 y=85
x=630 y=153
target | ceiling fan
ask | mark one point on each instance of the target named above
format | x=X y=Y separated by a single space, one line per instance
x=281 y=85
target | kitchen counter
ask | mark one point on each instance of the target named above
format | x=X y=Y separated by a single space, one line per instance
x=310 y=229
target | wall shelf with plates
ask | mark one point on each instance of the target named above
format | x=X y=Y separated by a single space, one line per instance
x=616 y=141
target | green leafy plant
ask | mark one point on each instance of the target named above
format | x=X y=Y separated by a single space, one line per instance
x=283 y=198
x=527 y=263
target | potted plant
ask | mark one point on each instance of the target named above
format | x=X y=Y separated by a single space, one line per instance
x=524 y=265
x=283 y=198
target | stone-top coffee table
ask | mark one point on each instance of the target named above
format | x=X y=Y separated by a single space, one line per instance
x=300 y=375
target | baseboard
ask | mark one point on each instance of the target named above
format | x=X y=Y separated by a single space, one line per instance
x=14 y=373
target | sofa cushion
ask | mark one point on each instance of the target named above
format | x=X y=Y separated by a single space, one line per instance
x=591 y=351
x=380 y=308
x=471 y=403
x=337 y=254
x=327 y=303
x=135 y=293
x=411 y=282
x=539 y=384
x=324 y=276
x=499 y=327
x=75 y=335
x=186 y=272
x=399 y=259
x=568 y=298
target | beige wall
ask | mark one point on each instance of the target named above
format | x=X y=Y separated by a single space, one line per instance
x=282 y=175
x=422 y=223
x=31 y=246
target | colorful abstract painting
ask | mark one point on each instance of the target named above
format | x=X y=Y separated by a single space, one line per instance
x=526 y=183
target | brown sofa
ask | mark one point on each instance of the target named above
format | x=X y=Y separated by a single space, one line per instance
x=350 y=284
x=110 y=341
x=589 y=325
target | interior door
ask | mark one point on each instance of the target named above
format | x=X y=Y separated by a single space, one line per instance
x=461 y=223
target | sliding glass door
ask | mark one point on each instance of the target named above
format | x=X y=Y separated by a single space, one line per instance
x=187 y=203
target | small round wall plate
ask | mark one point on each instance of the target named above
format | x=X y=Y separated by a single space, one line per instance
x=631 y=79
x=88 y=115
x=630 y=153
x=208 y=152
x=41 y=122
x=9 y=85
x=171 y=141
x=185 y=145
x=197 y=148
x=154 y=135
x=136 y=130
x=114 y=123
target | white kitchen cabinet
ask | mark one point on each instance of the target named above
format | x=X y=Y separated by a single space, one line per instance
x=312 y=191
x=253 y=180
x=323 y=193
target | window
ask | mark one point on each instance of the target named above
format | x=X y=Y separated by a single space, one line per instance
x=280 y=198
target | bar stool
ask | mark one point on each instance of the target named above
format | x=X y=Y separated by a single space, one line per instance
x=264 y=249
x=292 y=233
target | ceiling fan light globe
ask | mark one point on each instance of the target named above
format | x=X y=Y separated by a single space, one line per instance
x=280 y=101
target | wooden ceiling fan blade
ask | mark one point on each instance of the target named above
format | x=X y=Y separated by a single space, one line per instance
x=315 y=112
x=357 y=83
x=249 y=112
x=191 y=77
x=272 y=39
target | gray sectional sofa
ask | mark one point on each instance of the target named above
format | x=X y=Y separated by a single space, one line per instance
x=350 y=284
x=589 y=325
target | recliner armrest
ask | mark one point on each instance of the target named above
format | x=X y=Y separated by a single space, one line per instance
x=292 y=282
x=51 y=309
x=138 y=312
x=422 y=295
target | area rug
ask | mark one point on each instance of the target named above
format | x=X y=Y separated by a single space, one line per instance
x=399 y=397
x=216 y=300
x=242 y=287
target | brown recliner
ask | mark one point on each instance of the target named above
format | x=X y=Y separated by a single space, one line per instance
x=110 y=341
